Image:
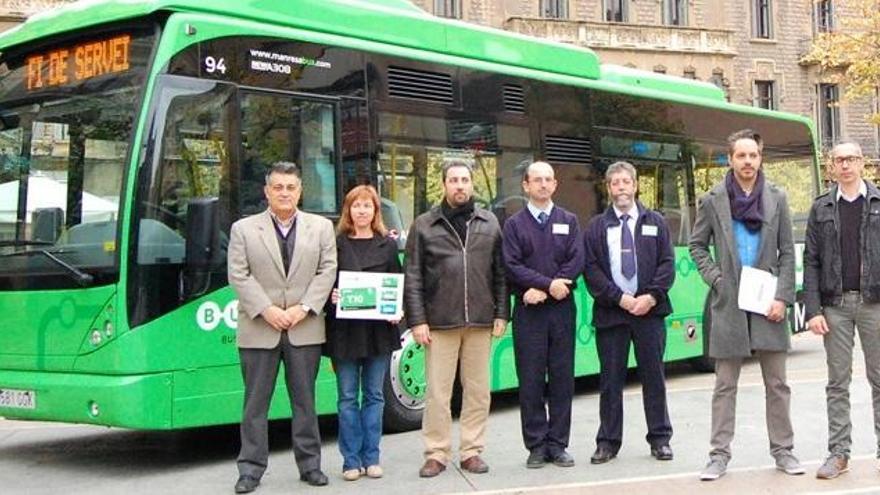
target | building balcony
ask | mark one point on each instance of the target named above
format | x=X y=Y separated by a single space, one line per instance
x=805 y=46
x=637 y=37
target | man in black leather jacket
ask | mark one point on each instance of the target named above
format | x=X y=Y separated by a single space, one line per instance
x=842 y=292
x=455 y=299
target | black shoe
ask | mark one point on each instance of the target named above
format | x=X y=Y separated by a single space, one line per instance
x=536 y=459
x=314 y=477
x=662 y=453
x=246 y=484
x=602 y=455
x=561 y=459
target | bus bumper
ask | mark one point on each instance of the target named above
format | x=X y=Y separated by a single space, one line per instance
x=130 y=401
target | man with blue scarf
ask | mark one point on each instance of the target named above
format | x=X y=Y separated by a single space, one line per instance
x=747 y=221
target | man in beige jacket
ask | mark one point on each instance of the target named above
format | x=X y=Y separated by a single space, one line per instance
x=282 y=266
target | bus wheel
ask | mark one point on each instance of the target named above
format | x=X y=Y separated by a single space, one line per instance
x=405 y=386
x=704 y=363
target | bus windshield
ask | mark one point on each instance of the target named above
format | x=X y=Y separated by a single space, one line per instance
x=66 y=121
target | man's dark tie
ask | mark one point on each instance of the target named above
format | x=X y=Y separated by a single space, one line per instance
x=627 y=251
x=542 y=218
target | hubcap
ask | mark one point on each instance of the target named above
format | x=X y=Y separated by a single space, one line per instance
x=407 y=373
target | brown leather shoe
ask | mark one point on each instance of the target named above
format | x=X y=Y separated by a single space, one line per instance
x=431 y=468
x=475 y=465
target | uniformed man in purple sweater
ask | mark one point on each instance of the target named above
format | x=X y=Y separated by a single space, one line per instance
x=629 y=270
x=543 y=255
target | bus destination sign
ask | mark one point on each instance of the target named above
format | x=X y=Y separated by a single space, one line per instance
x=78 y=63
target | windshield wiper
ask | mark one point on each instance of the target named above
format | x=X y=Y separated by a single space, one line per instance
x=80 y=277
x=25 y=243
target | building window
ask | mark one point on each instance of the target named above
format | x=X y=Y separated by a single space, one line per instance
x=718 y=80
x=660 y=69
x=829 y=113
x=554 y=9
x=762 y=15
x=615 y=11
x=823 y=15
x=690 y=72
x=764 y=95
x=448 y=8
x=675 y=12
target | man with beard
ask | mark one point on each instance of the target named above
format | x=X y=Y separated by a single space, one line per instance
x=747 y=220
x=543 y=255
x=629 y=270
x=455 y=297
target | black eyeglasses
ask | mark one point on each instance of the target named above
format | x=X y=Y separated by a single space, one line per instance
x=849 y=160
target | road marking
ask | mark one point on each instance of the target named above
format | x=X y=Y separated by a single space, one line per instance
x=727 y=484
x=742 y=384
x=867 y=489
x=11 y=424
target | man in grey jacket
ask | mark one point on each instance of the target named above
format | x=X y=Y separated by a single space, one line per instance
x=748 y=221
x=842 y=292
x=282 y=266
x=455 y=298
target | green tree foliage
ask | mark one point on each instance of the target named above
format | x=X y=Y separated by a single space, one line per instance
x=484 y=165
x=850 y=54
x=795 y=177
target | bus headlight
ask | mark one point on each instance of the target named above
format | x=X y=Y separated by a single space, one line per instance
x=96 y=338
x=108 y=329
x=94 y=409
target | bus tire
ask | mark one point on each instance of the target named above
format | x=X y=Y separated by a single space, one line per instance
x=405 y=387
x=704 y=363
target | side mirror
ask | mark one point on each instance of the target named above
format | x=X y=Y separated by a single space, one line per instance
x=202 y=244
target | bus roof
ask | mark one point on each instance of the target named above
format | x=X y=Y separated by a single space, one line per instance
x=651 y=80
x=395 y=22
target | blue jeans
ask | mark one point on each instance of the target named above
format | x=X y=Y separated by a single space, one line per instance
x=360 y=424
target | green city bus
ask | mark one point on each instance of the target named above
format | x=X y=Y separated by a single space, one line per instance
x=132 y=134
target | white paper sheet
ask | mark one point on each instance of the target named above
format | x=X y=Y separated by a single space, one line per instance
x=757 y=290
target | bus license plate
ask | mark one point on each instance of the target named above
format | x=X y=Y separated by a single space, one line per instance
x=18 y=399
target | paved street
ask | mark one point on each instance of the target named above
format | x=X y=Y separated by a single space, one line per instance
x=37 y=458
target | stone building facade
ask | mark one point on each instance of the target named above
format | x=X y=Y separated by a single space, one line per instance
x=14 y=12
x=753 y=49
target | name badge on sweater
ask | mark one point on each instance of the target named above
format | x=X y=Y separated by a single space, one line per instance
x=649 y=230
x=560 y=228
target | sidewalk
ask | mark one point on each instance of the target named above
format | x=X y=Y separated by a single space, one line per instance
x=48 y=458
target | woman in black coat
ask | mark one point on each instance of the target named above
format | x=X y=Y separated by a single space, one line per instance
x=361 y=349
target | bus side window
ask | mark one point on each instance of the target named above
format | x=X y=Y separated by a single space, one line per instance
x=284 y=128
x=795 y=176
x=663 y=187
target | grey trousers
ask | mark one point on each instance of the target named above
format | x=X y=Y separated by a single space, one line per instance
x=777 y=405
x=259 y=368
x=842 y=322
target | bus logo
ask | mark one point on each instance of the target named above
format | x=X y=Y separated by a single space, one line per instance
x=209 y=315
